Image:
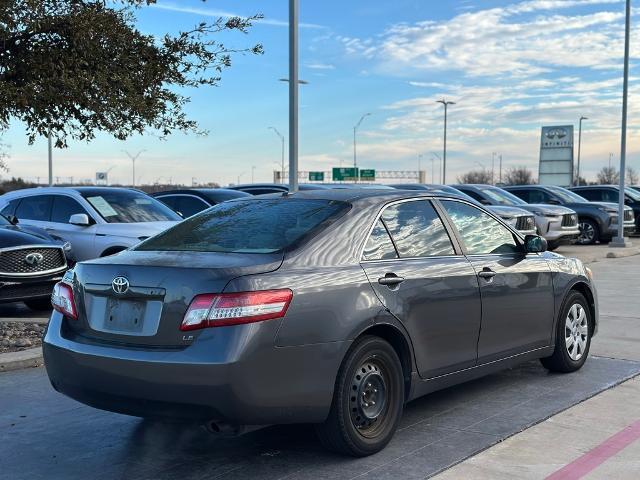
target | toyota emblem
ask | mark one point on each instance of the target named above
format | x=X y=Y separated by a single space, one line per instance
x=120 y=285
x=34 y=259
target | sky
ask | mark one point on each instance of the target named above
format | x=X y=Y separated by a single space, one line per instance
x=510 y=66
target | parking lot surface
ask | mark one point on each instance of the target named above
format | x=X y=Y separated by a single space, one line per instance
x=45 y=435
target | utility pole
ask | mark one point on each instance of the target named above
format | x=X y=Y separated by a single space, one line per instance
x=577 y=181
x=493 y=168
x=500 y=177
x=293 y=95
x=282 y=160
x=50 y=159
x=444 y=149
x=439 y=166
x=619 y=241
x=133 y=162
x=355 y=157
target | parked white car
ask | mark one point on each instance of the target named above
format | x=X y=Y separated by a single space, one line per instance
x=97 y=221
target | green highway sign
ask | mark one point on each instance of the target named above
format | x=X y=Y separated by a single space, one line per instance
x=344 y=174
x=316 y=176
x=368 y=174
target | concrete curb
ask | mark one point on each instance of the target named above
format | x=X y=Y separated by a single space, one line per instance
x=22 y=359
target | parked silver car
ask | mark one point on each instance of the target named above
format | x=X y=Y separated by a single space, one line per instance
x=97 y=221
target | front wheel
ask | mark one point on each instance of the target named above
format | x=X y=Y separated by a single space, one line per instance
x=367 y=400
x=573 y=335
x=589 y=232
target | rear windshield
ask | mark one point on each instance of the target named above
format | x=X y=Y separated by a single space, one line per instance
x=248 y=226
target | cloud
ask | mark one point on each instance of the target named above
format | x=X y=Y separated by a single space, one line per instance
x=320 y=66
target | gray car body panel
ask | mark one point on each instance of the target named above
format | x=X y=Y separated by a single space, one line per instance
x=284 y=370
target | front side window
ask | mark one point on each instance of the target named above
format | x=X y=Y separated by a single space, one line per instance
x=189 y=205
x=64 y=207
x=36 y=207
x=479 y=231
x=379 y=245
x=128 y=206
x=248 y=226
x=416 y=230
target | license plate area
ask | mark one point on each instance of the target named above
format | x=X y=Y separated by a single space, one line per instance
x=123 y=316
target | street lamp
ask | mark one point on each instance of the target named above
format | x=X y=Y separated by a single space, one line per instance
x=439 y=167
x=293 y=95
x=355 y=130
x=619 y=241
x=282 y=161
x=133 y=161
x=577 y=182
x=444 y=150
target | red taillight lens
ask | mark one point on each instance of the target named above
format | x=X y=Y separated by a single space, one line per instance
x=224 y=309
x=62 y=300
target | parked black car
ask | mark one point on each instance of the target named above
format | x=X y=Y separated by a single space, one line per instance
x=611 y=193
x=598 y=221
x=188 y=202
x=30 y=265
x=266 y=188
x=332 y=307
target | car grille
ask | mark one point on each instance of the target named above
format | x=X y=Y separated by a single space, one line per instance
x=570 y=220
x=628 y=215
x=526 y=223
x=31 y=261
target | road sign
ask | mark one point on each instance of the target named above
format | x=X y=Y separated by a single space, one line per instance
x=316 y=176
x=344 y=174
x=368 y=174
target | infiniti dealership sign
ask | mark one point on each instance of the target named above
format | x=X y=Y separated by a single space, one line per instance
x=556 y=156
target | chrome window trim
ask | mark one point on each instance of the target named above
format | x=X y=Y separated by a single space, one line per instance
x=35 y=274
x=185 y=195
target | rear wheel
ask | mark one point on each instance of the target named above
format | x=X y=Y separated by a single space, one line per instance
x=40 y=304
x=367 y=400
x=573 y=335
x=589 y=232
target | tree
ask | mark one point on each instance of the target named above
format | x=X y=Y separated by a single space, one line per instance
x=518 y=176
x=608 y=176
x=476 y=176
x=632 y=177
x=75 y=67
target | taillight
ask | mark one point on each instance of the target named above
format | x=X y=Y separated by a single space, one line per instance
x=224 y=309
x=62 y=300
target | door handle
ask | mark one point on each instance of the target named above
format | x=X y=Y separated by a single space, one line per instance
x=487 y=273
x=390 y=279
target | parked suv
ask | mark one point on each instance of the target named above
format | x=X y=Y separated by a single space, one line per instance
x=188 y=202
x=518 y=218
x=611 y=193
x=97 y=221
x=598 y=221
x=558 y=224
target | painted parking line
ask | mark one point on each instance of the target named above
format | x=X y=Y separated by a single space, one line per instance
x=598 y=455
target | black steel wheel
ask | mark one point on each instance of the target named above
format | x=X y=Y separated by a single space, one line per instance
x=367 y=400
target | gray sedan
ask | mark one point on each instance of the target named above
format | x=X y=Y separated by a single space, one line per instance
x=333 y=307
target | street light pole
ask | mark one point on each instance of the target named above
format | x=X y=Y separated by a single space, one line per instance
x=293 y=95
x=355 y=157
x=493 y=168
x=439 y=165
x=444 y=149
x=619 y=241
x=50 y=159
x=282 y=161
x=577 y=181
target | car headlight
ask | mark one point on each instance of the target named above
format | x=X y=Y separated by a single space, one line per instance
x=589 y=273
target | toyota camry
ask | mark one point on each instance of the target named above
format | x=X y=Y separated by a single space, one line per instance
x=332 y=307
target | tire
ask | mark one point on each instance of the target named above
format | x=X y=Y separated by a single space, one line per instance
x=573 y=339
x=371 y=372
x=39 y=304
x=589 y=232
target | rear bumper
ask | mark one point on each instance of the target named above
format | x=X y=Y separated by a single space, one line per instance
x=236 y=376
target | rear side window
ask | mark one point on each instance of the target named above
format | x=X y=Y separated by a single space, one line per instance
x=10 y=208
x=416 y=230
x=480 y=232
x=37 y=207
x=379 y=246
x=250 y=226
x=64 y=207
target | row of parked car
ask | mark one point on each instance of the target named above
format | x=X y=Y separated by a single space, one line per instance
x=44 y=231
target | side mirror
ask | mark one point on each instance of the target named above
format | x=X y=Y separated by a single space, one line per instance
x=535 y=244
x=553 y=201
x=13 y=219
x=80 y=219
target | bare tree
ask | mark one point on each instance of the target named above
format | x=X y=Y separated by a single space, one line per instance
x=608 y=176
x=476 y=176
x=518 y=176
x=632 y=177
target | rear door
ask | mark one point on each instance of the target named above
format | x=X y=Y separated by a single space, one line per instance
x=516 y=287
x=415 y=270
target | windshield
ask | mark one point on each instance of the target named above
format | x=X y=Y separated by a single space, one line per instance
x=630 y=192
x=567 y=195
x=454 y=191
x=501 y=197
x=247 y=226
x=128 y=206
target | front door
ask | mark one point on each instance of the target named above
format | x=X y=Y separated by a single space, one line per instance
x=516 y=287
x=417 y=274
